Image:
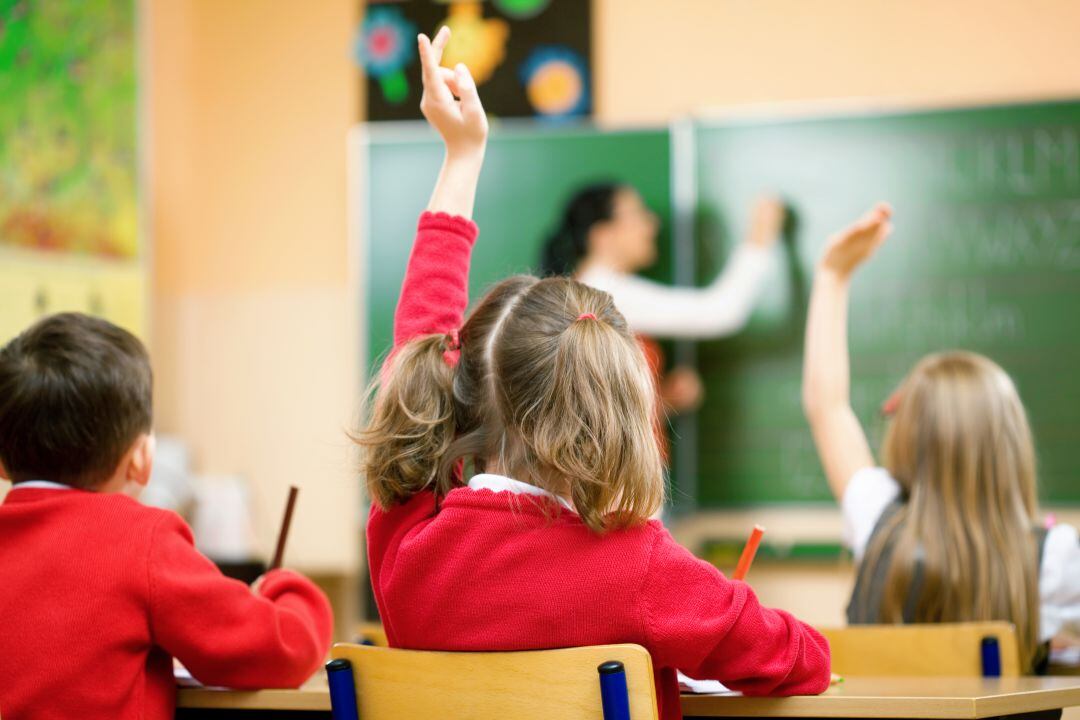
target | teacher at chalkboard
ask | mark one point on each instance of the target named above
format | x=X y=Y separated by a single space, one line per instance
x=607 y=234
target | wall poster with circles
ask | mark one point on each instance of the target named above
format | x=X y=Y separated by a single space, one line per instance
x=531 y=58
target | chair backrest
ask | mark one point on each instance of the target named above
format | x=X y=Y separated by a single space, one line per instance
x=529 y=685
x=372 y=633
x=945 y=649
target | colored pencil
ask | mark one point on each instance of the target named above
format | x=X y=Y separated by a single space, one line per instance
x=748 y=553
x=283 y=534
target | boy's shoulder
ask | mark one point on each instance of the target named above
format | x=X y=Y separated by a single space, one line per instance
x=103 y=510
x=145 y=518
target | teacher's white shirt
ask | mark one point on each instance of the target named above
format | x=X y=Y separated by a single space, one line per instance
x=666 y=311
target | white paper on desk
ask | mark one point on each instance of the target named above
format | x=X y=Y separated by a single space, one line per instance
x=183 y=676
x=185 y=679
x=1069 y=655
x=704 y=687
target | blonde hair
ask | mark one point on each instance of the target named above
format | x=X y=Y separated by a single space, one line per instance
x=962 y=451
x=555 y=399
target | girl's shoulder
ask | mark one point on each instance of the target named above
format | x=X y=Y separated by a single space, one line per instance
x=869 y=492
x=1062 y=548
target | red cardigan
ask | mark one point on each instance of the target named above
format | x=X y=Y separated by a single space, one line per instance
x=98 y=593
x=494 y=571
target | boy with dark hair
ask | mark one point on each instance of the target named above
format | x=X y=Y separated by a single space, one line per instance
x=97 y=592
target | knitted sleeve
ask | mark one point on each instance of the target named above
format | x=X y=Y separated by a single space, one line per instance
x=435 y=291
x=713 y=628
x=224 y=633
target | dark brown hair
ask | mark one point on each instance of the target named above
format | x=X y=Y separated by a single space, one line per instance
x=552 y=388
x=75 y=392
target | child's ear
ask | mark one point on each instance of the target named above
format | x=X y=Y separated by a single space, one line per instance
x=142 y=459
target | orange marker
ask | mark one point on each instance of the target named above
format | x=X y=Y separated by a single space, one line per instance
x=748 y=553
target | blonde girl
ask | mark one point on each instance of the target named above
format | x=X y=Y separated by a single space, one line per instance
x=545 y=394
x=948 y=529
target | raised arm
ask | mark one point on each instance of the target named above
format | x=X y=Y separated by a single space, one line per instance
x=721 y=308
x=461 y=123
x=434 y=293
x=840 y=440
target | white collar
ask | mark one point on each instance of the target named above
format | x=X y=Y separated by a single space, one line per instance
x=501 y=483
x=44 y=484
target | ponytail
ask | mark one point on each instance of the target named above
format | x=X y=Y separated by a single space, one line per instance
x=569 y=244
x=411 y=425
x=576 y=404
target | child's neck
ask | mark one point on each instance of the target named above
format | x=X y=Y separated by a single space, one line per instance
x=563 y=491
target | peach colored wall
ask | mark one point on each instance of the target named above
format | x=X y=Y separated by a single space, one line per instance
x=255 y=329
x=657 y=59
x=254 y=332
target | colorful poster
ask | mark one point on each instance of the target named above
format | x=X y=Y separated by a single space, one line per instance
x=531 y=58
x=69 y=213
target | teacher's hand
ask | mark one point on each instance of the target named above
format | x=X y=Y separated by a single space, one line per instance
x=682 y=389
x=766 y=222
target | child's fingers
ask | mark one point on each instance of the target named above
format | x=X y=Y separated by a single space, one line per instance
x=433 y=82
x=471 y=107
x=439 y=43
x=427 y=64
x=450 y=78
x=872 y=218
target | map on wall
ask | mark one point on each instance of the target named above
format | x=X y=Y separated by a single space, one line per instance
x=531 y=58
x=69 y=213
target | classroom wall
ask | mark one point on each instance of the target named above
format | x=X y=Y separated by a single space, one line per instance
x=658 y=60
x=655 y=60
x=255 y=329
x=248 y=101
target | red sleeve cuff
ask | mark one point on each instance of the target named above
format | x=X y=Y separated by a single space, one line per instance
x=445 y=222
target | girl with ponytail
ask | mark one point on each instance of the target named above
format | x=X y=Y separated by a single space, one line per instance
x=607 y=234
x=512 y=464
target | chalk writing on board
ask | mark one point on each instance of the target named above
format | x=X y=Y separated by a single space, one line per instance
x=1022 y=161
x=1031 y=235
x=963 y=314
x=798 y=463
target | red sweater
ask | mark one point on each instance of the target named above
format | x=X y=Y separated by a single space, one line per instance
x=98 y=593
x=492 y=571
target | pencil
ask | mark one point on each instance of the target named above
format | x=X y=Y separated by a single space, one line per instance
x=283 y=534
x=748 y=553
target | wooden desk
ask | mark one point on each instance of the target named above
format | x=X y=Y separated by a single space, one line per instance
x=929 y=698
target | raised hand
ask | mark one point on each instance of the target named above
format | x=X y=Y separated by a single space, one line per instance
x=682 y=389
x=851 y=247
x=766 y=222
x=461 y=122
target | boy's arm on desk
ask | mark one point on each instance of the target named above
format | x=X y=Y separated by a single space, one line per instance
x=224 y=633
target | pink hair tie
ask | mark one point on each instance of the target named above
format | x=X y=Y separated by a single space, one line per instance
x=452 y=352
x=586 y=316
x=891 y=405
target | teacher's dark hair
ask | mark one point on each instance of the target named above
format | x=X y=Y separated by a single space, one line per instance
x=569 y=244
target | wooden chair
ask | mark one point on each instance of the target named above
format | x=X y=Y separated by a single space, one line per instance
x=372 y=633
x=530 y=685
x=946 y=649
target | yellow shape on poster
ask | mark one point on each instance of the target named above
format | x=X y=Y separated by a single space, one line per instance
x=479 y=43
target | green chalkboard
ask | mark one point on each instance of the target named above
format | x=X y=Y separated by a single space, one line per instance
x=529 y=173
x=985 y=256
